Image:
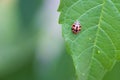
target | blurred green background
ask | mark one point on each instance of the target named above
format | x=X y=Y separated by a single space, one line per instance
x=31 y=44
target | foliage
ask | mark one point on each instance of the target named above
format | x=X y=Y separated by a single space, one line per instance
x=96 y=48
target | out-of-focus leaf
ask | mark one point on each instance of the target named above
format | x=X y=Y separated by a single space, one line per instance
x=65 y=69
x=16 y=48
x=28 y=9
x=114 y=74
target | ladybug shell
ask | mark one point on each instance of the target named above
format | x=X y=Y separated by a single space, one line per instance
x=76 y=28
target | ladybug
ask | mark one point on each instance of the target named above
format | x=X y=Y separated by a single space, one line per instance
x=76 y=27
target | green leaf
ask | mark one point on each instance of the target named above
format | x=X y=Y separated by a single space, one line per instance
x=114 y=74
x=96 y=48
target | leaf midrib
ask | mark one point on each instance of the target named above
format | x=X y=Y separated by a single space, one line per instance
x=97 y=32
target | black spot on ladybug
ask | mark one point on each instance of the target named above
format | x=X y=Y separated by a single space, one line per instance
x=73 y=25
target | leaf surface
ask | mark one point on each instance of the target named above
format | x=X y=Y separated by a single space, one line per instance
x=96 y=48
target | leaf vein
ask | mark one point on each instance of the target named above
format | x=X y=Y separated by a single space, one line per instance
x=97 y=32
x=95 y=59
x=84 y=32
x=108 y=37
x=102 y=52
x=84 y=51
x=88 y=11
